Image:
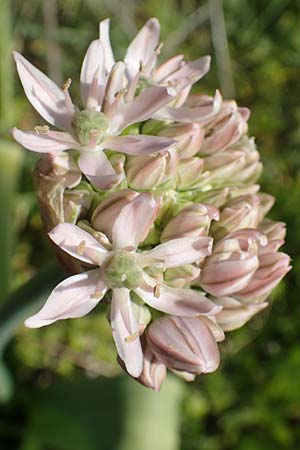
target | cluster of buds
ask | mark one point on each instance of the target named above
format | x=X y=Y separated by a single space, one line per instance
x=148 y=194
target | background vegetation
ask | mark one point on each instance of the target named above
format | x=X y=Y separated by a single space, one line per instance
x=54 y=396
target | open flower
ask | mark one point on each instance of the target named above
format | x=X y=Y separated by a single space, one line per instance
x=122 y=269
x=108 y=109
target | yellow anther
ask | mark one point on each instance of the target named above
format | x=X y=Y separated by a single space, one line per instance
x=156 y=291
x=121 y=92
x=41 y=129
x=96 y=295
x=81 y=248
x=158 y=48
x=132 y=337
x=66 y=85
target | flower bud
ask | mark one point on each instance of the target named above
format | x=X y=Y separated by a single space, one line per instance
x=235 y=313
x=226 y=129
x=273 y=266
x=189 y=138
x=184 y=344
x=273 y=230
x=145 y=172
x=105 y=214
x=190 y=173
x=240 y=212
x=232 y=263
x=181 y=277
x=77 y=202
x=193 y=220
x=142 y=314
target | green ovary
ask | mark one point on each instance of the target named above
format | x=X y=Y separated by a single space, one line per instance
x=122 y=271
x=87 y=123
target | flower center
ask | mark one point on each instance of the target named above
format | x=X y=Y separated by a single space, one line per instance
x=122 y=270
x=88 y=124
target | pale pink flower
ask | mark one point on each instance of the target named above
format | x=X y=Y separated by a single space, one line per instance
x=122 y=269
x=108 y=109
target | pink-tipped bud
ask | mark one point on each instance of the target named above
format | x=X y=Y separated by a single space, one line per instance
x=189 y=138
x=106 y=213
x=226 y=129
x=233 y=262
x=145 y=172
x=193 y=220
x=235 y=313
x=184 y=344
x=273 y=266
x=154 y=371
x=240 y=212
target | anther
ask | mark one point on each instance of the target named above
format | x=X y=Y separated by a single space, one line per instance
x=132 y=337
x=81 y=248
x=41 y=129
x=96 y=295
x=158 y=48
x=66 y=85
x=156 y=291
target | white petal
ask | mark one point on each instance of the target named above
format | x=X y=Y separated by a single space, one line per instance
x=78 y=243
x=134 y=221
x=138 y=144
x=44 y=95
x=104 y=38
x=70 y=299
x=178 y=302
x=97 y=168
x=178 y=252
x=52 y=142
x=142 y=46
x=126 y=332
x=93 y=75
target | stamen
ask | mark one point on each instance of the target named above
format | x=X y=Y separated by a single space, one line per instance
x=121 y=92
x=132 y=337
x=96 y=295
x=41 y=129
x=156 y=291
x=158 y=48
x=67 y=84
x=81 y=248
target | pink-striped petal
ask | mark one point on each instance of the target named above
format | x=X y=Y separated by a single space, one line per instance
x=52 y=142
x=92 y=76
x=126 y=331
x=178 y=252
x=178 y=302
x=165 y=70
x=78 y=243
x=74 y=297
x=138 y=144
x=104 y=38
x=144 y=105
x=142 y=47
x=134 y=221
x=44 y=95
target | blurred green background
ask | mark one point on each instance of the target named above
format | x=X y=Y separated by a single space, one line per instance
x=55 y=394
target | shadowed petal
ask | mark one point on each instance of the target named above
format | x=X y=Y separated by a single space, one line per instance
x=134 y=221
x=179 y=302
x=126 y=332
x=178 y=252
x=142 y=47
x=92 y=76
x=97 y=168
x=78 y=243
x=74 y=297
x=138 y=144
x=52 y=142
x=44 y=95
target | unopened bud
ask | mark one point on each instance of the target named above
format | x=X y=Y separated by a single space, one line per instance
x=181 y=277
x=190 y=173
x=189 y=138
x=145 y=172
x=193 y=220
x=184 y=344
